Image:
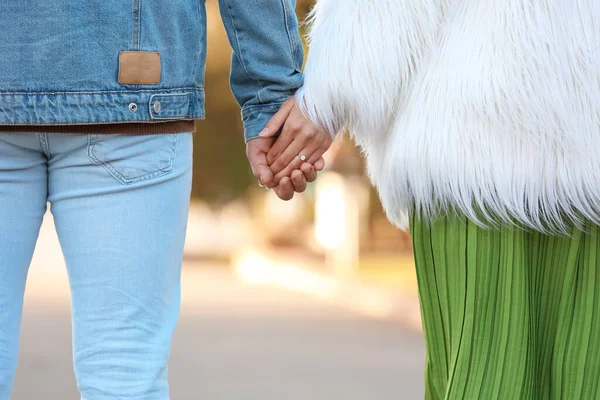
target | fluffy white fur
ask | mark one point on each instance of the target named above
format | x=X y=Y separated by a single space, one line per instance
x=491 y=108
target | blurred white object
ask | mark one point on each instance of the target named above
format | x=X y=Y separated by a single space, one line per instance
x=282 y=213
x=217 y=232
x=330 y=211
x=337 y=221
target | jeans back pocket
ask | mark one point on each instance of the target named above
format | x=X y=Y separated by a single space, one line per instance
x=132 y=158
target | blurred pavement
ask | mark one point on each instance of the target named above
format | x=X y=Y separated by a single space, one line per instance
x=234 y=342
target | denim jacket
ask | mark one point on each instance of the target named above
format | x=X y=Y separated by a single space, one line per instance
x=109 y=61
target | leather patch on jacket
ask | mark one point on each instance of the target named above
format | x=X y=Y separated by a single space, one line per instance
x=139 y=67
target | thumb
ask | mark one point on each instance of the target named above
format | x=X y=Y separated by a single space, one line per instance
x=260 y=168
x=277 y=120
x=264 y=175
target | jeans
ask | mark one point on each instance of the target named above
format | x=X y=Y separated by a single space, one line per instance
x=120 y=204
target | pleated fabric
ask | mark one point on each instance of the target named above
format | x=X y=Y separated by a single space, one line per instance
x=508 y=314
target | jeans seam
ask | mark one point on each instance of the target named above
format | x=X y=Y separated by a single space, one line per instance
x=43 y=138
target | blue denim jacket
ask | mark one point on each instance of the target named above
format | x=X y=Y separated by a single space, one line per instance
x=61 y=60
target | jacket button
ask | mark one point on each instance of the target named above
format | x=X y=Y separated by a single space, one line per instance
x=156 y=107
x=132 y=107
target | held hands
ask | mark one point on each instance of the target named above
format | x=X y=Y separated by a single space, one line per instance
x=287 y=163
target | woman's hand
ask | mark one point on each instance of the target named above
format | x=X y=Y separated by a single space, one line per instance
x=300 y=146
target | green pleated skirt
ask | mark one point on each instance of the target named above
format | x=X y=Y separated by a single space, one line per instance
x=508 y=314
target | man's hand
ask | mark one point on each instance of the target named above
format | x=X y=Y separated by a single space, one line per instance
x=299 y=143
x=257 y=150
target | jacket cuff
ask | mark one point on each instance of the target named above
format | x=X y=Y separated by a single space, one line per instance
x=256 y=117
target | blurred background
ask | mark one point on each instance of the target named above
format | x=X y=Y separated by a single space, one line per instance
x=309 y=299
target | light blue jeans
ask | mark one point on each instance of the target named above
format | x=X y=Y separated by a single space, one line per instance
x=120 y=204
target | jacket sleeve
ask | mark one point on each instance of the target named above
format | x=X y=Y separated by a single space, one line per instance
x=266 y=66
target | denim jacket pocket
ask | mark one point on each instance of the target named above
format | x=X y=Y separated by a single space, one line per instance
x=133 y=158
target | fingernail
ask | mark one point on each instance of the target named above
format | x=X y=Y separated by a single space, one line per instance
x=264 y=132
x=260 y=182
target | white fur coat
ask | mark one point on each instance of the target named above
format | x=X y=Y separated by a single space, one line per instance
x=489 y=107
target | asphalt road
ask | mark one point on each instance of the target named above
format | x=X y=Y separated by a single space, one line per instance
x=233 y=342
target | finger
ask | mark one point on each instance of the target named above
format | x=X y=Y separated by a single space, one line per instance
x=298 y=181
x=264 y=176
x=260 y=169
x=295 y=148
x=282 y=143
x=287 y=171
x=320 y=164
x=296 y=162
x=317 y=154
x=277 y=120
x=285 y=189
x=309 y=172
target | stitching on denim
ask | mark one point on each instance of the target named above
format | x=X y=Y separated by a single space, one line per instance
x=47 y=143
x=43 y=138
x=202 y=35
x=119 y=176
x=174 y=150
x=133 y=24
x=139 y=11
x=238 y=53
x=286 y=11
x=91 y=144
x=123 y=96
x=293 y=37
x=263 y=106
x=169 y=94
x=295 y=42
x=87 y=123
x=258 y=109
x=136 y=25
x=172 y=114
x=201 y=90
